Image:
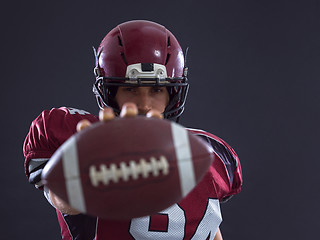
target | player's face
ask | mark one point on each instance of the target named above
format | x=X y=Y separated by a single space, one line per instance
x=146 y=98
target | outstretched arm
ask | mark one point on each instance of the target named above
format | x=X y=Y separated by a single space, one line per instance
x=128 y=110
x=218 y=235
x=61 y=205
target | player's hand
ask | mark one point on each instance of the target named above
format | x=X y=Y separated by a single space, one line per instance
x=128 y=110
x=131 y=110
x=105 y=115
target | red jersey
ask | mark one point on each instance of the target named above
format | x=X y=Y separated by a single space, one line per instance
x=197 y=216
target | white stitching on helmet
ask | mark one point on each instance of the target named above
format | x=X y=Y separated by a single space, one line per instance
x=113 y=173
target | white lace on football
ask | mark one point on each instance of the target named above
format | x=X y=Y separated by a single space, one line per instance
x=124 y=172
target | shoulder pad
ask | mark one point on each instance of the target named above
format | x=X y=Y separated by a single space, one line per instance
x=49 y=130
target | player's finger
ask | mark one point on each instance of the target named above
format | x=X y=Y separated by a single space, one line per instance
x=129 y=110
x=106 y=114
x=83 y=124
x=154 y=114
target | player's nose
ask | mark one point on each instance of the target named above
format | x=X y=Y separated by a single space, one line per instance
x=144 y=104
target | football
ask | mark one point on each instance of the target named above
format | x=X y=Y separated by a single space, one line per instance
x=127 y=167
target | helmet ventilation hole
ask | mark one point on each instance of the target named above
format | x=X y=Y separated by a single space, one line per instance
x=167 y=59
x=168 y=55
x=120 y=41
x=124 y=58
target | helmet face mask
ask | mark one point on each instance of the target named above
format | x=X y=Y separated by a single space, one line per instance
x=141 y=54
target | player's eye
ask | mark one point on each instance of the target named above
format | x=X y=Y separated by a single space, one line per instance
x=130 y=89
x=158 y=89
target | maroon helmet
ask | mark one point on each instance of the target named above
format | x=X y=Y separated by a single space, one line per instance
x=141 y=53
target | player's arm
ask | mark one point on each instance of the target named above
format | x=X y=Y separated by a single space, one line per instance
x=47 y=133
x=226 y=170
x=218 y=235
x=128 y=110
x=61 y=205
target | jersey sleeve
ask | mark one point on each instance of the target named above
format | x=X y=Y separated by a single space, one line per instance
x=47 y=133
x=225 y=171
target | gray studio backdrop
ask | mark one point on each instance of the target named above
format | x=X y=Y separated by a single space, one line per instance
x=254 y=75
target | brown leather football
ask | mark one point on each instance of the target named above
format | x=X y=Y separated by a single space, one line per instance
x=127 y=167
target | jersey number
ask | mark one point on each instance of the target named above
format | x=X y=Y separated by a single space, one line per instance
x=141 y=228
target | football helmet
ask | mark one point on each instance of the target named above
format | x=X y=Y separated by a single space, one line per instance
x=141 y=53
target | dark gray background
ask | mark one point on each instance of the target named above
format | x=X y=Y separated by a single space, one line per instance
x=254 y=74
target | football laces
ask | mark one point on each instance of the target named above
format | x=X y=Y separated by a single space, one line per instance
x=135 y=169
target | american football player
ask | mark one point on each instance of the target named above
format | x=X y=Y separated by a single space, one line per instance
x=140 y=69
